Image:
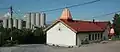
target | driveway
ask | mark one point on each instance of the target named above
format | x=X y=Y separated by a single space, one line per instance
x=111 y=46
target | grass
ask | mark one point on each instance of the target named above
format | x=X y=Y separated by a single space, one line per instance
x=115 y=38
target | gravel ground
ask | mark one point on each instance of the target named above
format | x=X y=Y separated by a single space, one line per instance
x=111 y=46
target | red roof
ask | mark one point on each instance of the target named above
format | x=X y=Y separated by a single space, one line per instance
x=85 y=26
x=80 y=26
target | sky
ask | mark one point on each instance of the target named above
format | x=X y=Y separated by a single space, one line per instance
x=83 y=12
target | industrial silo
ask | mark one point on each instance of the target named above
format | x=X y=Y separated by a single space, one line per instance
x=19 y=24
x=37 y=19
x=28 y=20
x=42 y=19
x=5 y=23
x=15 y=23
x=33 y=19
x=10 y=22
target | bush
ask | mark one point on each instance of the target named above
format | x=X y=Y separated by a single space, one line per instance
x=85 y=42
x=8 y=43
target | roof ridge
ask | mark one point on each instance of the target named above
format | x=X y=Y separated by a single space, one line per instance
x=68 y=26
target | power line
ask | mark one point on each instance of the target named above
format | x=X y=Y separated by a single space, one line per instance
x=72 y=6
x=69 y=6
x=106 y=14
x=16 y=13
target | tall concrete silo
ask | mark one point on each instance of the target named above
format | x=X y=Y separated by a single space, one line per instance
x=42 y=19
x=19 y=24
x=15 y=23
x=10 y=22
x=5 y=23
x=28 y=20
x=33 y=19
x=37 y=19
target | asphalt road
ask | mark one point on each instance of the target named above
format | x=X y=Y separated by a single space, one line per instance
x=112 y=46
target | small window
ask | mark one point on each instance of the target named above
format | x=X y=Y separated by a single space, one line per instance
x=59 y=29
x=89 y=36
x=98 y=36
x=92 y=36
x=101 y=36
x=95 y=36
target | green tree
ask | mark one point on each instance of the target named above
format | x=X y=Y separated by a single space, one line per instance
x=39 y=35
x=116 y=24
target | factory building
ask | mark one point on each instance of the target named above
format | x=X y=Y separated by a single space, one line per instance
x=5 y=24
x=10 y=22
x=15 y=23
x=19 y=24
x=43 y=19
x=35 y=20
x=28 y=20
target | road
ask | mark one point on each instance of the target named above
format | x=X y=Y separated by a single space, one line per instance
x=111 y=46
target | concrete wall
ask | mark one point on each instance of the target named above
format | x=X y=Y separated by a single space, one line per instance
x=61 y=37
x=37 y=19
x=15 y=23
x=33 y=20
x=28 y=20
x=42 y=19
x=19 y=24
x=5 y=23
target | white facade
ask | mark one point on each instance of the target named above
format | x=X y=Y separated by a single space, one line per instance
x=38 y=19
x=33 y=19
x=5 y=22
x=28 y=20
x=19 y=24
x=42 y=19
x=61 y=35
x=15 y=23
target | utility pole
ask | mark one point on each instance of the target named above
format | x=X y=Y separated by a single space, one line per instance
x=11 y=20
x=11 y=11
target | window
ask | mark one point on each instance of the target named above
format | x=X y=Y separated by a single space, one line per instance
x=101 y=36
x=98 y=36
x=92 y=36
x=95 y=36
x=59 y=29
x=89 y=36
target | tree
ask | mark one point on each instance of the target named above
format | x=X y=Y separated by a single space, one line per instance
x=39 y=35
x=116 y=24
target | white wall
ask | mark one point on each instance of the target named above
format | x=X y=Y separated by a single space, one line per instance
x=63 y=37
x=5 y=22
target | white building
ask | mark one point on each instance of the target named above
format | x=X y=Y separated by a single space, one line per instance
x=20 y=24
x=35 y=19
x=15 y=23
x=68 y=32
x=28 y=20
x=5 y=23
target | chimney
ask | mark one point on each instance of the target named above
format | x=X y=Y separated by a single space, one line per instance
x=66 y=15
